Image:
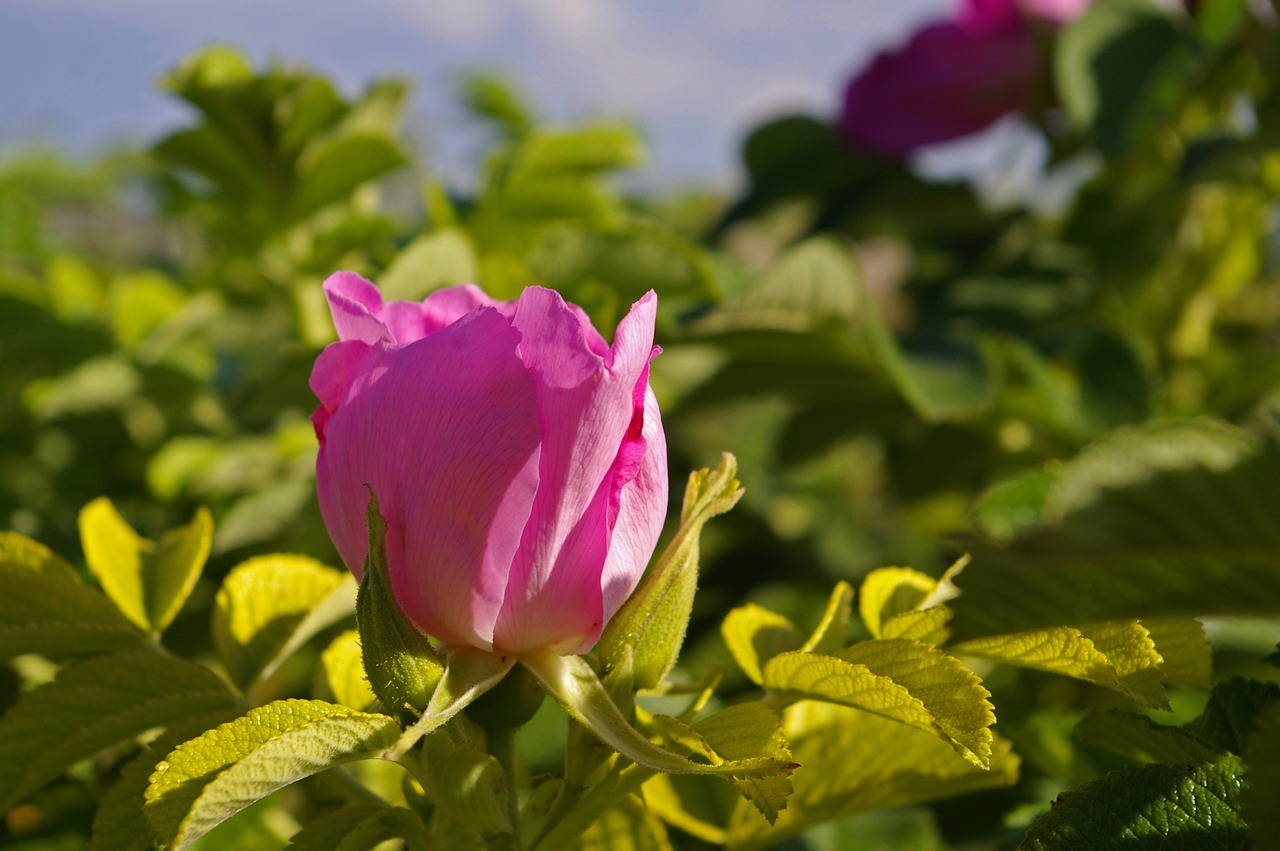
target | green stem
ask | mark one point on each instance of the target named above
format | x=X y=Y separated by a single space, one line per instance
x=501 y=742
x=615 y=786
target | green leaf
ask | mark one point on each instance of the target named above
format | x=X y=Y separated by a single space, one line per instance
x=906 y=681
x=890 y=591
x=119 y=824
x=45 y=609
x=953 y=695
x=1263 y=778
x=465 y=782
x=1232 y=711
x=148 y=580
x=445 y=258
x=331 y=171
x=95 y=704
x=851 y=761
x=468 y=674
x=494 y=97
x=1166 y=519
x=653 y=620
x=754 y=635
x=1186 y=658
x=1118 y=655
x=344 y=672
x=1155 y=807
x=1139 y=738
x=208 y=779
x=747 y=730
x=629 y=826
x=269 y=605
x=587 y=148
x=361 y=827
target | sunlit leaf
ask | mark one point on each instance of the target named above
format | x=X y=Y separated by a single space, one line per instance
x=754 y=635
x=890 y=591
x=466 y=782
x=269 y=605
x=148 y=580
x=444 y=258
x=206 y=780
x=629 y=826
x=344 y=671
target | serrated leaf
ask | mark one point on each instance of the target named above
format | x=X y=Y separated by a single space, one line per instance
x=890 y=591
x=906 y=681
x=754 y=635
x=953 y=694
x=1161 y=520
x=1186 y=659
x=851 y=761
x=361 y=827
x=1258 y=801
x=1153 y=807
x=264 y=602
x=629 y=826
x=344 y=672
x=1135 y=670
x=1139 y=738
x=119 y=824
x=208 y=779
x=926 y=625
x=148 y=580
x=747 y=730
x=466 y=783
x=94 y=704
x=1231 y=712
x=44 y=608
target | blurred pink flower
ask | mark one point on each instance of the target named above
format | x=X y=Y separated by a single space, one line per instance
x=518 y=459
x=951 y=78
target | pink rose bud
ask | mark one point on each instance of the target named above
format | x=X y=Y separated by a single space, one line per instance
x=518 y=459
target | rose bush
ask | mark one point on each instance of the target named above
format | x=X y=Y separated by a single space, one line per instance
x=518 y=459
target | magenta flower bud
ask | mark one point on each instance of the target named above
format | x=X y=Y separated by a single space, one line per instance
x=952 y=78
x=518 y=459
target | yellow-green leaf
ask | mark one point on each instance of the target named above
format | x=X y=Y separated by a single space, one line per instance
x=953 y=694
x=629 y=826
x=1186 y=659
x=831 y=632
x=344 y=671
x=891 y=591
x=44 y=608
x=148 y=580
x=208 y=779
x=927 y=625
x=851 y=761
x=755 y=635
x=361 y=827
x=269 y=605
x=465 y=783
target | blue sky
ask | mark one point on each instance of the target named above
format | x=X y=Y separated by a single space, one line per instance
x=696 y=75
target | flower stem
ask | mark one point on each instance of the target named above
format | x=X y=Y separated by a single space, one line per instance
x=501 y=742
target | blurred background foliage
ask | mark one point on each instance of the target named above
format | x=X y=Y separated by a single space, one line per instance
x=877 y=347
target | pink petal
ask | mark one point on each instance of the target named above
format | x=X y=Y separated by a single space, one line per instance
x=457 y=409
x=946 y=82
x=356 y=306
x=585 y=406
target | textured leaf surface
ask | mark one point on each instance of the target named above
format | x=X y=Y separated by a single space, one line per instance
x=119 y=823
x=1167 y=519
x=890 y=591
x=44 y=608
x=906 y=681
x=1186 y=659
x=1139 y=738
x=851 y=761
x=208 y=779
x=261 y=606
x=361 y=827
x=1152 y=807
x=1231 y=712
x=148 y=580
x=94 y=704
x=465 y=782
